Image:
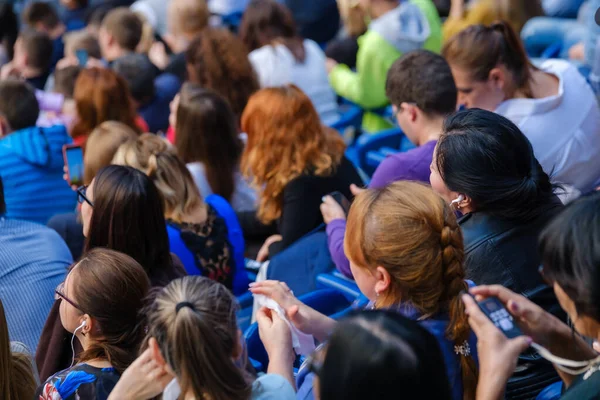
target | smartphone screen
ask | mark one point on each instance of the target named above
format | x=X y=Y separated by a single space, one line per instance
x=495 y=311
x=341 y=200
x=74 y=162
x=82 y=57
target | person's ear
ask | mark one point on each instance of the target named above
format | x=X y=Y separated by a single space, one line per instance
x=4 y=127
x=497 y=78
x=156 y=354
x=410 y=110
x=383 y=280
x=89 y=324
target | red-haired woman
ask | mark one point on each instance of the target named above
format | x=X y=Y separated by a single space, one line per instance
x=102 y=95
x=293 y=161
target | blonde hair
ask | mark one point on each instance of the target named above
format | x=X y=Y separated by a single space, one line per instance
x=517 y=12
x=199 y=340
x=353 y=17
x=158 y=159
x=412 y=232
x=16 y=373
x=103 y=143
x=285 y=140
x=147 y=39
x=188 y=17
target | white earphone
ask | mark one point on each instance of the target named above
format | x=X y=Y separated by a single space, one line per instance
x=73 y=338
x=457 y=200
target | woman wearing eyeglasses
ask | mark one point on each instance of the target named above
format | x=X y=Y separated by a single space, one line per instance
x=121 y=210
x=100 y=303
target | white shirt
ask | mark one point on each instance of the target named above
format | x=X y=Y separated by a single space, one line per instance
x=244 y=196
x=226 y=7
x=564 y=129
x=275 y=66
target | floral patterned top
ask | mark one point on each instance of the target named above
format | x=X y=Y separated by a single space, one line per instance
x=81 y=382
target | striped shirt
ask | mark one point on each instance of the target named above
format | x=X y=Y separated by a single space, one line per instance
x=33 y=261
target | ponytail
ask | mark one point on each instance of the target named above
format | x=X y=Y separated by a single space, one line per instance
x=480 y=48
x=458 y=329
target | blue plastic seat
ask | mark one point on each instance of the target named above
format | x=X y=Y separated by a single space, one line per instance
x=552 y=392
x=391 y=138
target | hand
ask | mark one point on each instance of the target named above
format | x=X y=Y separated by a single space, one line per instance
x=281 y=293
x=457 y=9
x=577 y=52
x=158 y=55
x=263 y=253
x=330 y=64
x=331 y=210
x=356 y=190
x=275 y=335
x=144 y=379
x=9 y=70
x=66 y=178
x=531 y=318
x=497 y=354
x=67 y=62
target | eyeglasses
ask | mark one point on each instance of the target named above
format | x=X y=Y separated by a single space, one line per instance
x=81 y=195
x=59 y=294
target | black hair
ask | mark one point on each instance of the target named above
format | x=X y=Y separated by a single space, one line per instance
x=486 y=157
x=18 y=104
x=379 y=354
x=38 y=47
x=425 y=79
x=139 y=73
x=41 y=12
x=570 y=250
x=2 y=202
x=128 y=216
x=9 y=28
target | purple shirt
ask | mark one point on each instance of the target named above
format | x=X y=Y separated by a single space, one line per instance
x=412 y=165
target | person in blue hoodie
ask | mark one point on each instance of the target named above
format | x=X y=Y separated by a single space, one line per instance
x=31 y=162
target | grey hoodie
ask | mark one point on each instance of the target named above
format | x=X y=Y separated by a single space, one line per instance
x=405 y=27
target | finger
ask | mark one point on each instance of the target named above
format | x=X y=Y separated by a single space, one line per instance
x=596 y=346
x=293 y=313
x=356 y=190
x=285 y=286
x=502 y=293
x=330 y=201
x=262 y=255
x=519 y=344
x=477 y=319
x=263 y=319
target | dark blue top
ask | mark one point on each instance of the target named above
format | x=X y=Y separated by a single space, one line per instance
x=156 y=113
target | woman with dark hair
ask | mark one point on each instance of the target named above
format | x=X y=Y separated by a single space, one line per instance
x=208 y=142
x=122 y=210
x=372 y=354
x=100 y=304
x=570 y=249
x=9 y=30
x=486 y=168
x=216 y=59
x=552 y=105
x=280 y=56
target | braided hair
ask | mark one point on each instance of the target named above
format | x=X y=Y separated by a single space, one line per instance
x=413 y=234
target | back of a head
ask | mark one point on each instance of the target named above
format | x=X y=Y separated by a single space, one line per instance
x=9 y=28
x=217 y=60
x=111 y=289
x=105 y=139
x=193 y=319
x=16 y=375
x=425 y=79
x=18 y=104
x=285 y=135
x=413 y=234
x=156 y=158
x=128 y=216
x=64 y=80
x=101 y=95
x=139 y=73
x=82 y=40
x=479 y=147
x=188 y=17
x=124 y=26
x=207 y=133
x=268 y=21
x=376 y=354
x=570 y=249
x=38 y=48
x=479 y=48
x=41 y=15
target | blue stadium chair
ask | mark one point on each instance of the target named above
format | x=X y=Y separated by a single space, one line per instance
x=392 y=138
x=552 y=392
x=328 y=302
x=552 y=51
x=337 y=281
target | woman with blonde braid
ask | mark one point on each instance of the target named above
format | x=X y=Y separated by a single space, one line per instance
x=406 y=253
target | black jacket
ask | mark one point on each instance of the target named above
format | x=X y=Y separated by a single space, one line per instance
x=504 y=252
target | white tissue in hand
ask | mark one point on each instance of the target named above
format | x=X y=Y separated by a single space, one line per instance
x=303 y=344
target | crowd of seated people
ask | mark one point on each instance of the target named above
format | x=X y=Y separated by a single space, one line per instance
x=182 y=212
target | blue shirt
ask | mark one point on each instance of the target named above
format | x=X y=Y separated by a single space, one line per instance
x=33 y=261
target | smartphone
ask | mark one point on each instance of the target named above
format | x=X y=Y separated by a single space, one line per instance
x=82 y=57
x=341 y=200
x=73 y=156
x=495 y=311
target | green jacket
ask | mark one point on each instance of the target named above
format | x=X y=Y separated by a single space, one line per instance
x=413 y=25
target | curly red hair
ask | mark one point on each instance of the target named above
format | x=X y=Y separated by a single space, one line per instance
x=285 y=140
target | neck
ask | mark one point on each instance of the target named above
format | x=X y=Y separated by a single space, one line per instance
x=432 y=130
x=115 y=53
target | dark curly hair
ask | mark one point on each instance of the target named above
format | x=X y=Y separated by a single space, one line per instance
x=217 y=60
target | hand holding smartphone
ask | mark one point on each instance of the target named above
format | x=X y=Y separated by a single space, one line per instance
x=495 y=311
x=73 y=156
x=341 y=200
